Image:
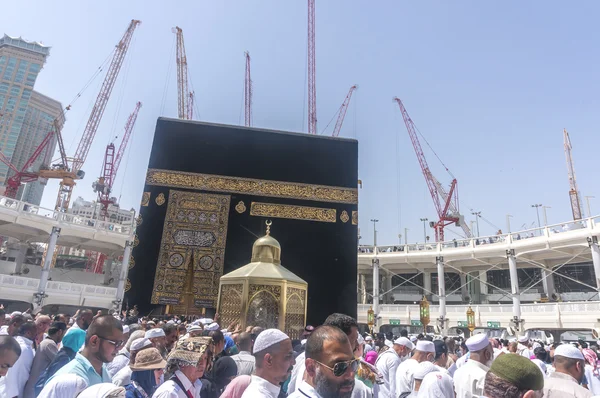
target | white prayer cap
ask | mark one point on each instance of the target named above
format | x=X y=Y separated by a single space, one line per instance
x=536 y=345
x=125 y=329
x=403 y=341
x=154 y=333
x=423 y=369
x=568 y=351
x=523 y=339
x=194 y=328
x=425 y=346
x=16 y=313
x=205 y=320
x=212 y=326
x=368 y=338
x=477 y=342
x=512 y=340
x=389 y=344
x=413 y=338
x=138 y=344
x=268 y=338
x=170 y=322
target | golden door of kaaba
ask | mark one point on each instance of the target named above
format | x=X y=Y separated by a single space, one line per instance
x=209 y=189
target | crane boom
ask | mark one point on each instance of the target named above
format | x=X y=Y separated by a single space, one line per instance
x=573 y=191
x=447 y=207
x=247 y=93
x=107 y=86
x=184 y=96
x=312 y=85
x=111 y=163
x=342 y=114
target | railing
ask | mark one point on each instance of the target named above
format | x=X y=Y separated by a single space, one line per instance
x=482 y=241
x=66 y=218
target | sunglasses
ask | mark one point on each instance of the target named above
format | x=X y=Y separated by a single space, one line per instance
x=340 y=368
x=117 y=344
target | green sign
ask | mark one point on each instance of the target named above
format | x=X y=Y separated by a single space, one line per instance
x=491 y=324
x=394 y=321
x=463 y=324
x=416 y=323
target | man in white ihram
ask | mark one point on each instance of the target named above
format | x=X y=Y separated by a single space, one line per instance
x=469 y=378
x=424 y=352
x=523 y=347
x=388 y=362
x=274 y=362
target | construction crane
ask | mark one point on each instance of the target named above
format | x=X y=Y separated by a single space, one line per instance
x=247 y=93
x=25 y=174
x=185 y=97
x=312 y=85
x=573 y=191
x=69 y=173
x=447 y=207
x=110 y=166
x=342 y=112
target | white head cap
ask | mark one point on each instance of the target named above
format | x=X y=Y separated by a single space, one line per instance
x=425 y=346
x=568 y=351
x=413 y=339
x=194 y=328
x=15 y=313
x=369 y=338
x=403 y=341
x=170 y=322
x=125 y=329
x=423 y=369
x=212 y=326
x=154 y=333
x=268 y=338
x=477 y=342
x=523 y=339
x=138 y=344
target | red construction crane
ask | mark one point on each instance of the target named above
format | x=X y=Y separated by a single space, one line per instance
x=185 y=98
x=342 y=112
x=573 y=191
x=247 y=93
x=70 y=173
x=110 y=166
x=312 y=85
x=447 y=208
x=25 y=174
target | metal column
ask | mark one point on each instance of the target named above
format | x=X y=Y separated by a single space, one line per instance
x=376 y=289
x=514 y=284
x=41 y=291
x=441 y=292
x=548 y=282
x=123 y=275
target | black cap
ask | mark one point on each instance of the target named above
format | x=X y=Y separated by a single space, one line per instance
x=440 y=347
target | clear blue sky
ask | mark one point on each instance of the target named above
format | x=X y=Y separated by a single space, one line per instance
x=491 y=85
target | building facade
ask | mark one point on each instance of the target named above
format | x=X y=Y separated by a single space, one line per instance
x=39 y=118
x=20 y=63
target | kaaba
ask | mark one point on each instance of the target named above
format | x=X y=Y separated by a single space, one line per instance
x=209 y=190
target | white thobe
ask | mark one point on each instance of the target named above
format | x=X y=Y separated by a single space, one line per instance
x=297 y=373
x=122 y=377
x=260 y=387
x=469 y=379
x=14 y=382
x=304 y=390
x=170 y=389
x=387 y=364
x=404 y=376
x=120 y=361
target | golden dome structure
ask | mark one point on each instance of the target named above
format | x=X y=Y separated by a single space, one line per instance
x=263 y=292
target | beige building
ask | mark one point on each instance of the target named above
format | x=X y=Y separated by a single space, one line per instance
x=20 y=63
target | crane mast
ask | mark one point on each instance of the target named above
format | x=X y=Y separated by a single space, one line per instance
x=69 y=173
x=247 y=93
x=110 y=166
x=312 y=85
x=342 y=114
x=445 y=202
x=573 y=191
x=185 y=97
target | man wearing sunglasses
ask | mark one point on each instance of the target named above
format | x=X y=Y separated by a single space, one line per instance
x=330 y=365
x=103 y=340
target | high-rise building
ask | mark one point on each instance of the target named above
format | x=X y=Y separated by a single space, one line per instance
x=20 y=64
x=39 y=118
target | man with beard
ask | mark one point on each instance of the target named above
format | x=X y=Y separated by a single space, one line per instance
x=274 y=362
x=388 y=362
x=380 y=343
x=330 y=365
x=171 y=336
x=469 y=379
x=103 y=340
